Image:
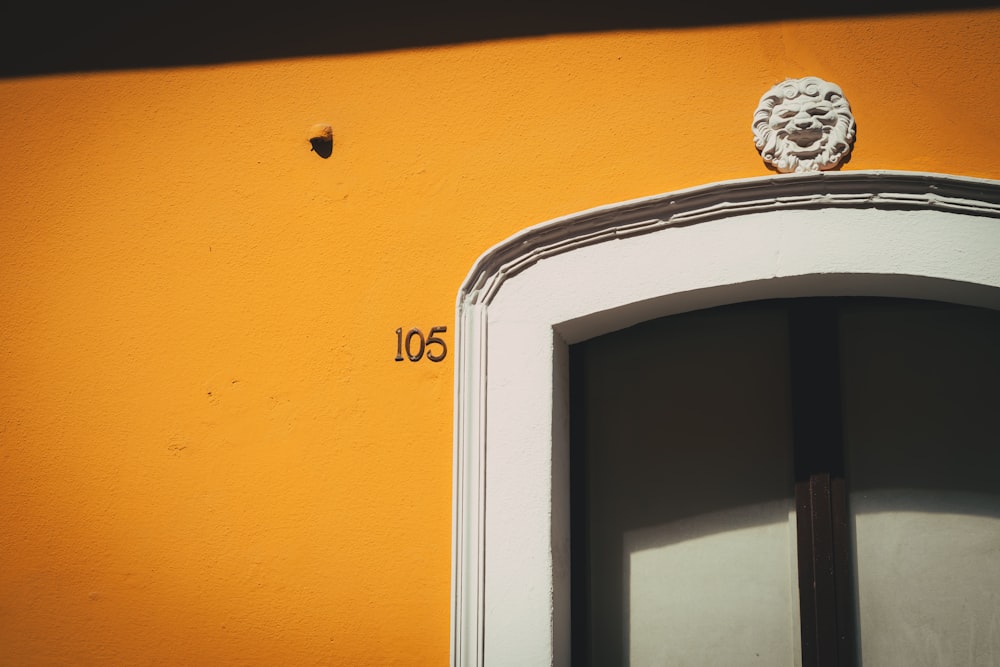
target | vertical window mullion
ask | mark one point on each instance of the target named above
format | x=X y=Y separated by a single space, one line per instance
x=847 y=648
x=807 y=576
x=825 y=587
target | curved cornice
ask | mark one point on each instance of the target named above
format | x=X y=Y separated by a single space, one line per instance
x=852 y=189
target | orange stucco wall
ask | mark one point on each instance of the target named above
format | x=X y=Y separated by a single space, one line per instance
x=208 y=454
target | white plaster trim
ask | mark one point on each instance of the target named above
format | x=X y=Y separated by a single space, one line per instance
x=839 y=233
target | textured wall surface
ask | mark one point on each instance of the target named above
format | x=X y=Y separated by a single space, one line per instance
x=208 y=454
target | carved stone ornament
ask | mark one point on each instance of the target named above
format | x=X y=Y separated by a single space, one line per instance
x=804 y=125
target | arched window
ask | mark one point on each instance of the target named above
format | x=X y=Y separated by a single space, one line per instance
x=752 y=483
x=870 y=234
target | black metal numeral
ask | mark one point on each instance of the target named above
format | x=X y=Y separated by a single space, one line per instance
x=416 y=345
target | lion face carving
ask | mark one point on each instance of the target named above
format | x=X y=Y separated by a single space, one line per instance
x=804 y=125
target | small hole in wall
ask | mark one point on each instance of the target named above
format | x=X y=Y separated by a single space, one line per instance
x=321 y=139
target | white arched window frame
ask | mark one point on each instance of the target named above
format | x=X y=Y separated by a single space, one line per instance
x=862 y=233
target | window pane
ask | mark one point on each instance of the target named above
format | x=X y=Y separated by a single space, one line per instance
x=922 y=427
x=687 y=439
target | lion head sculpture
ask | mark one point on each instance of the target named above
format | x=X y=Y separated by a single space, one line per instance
x=804 y=125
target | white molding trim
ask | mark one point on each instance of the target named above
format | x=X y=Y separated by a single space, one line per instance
x=878 y=233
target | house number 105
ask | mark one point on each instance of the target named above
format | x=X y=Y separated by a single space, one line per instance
x=415 y=345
